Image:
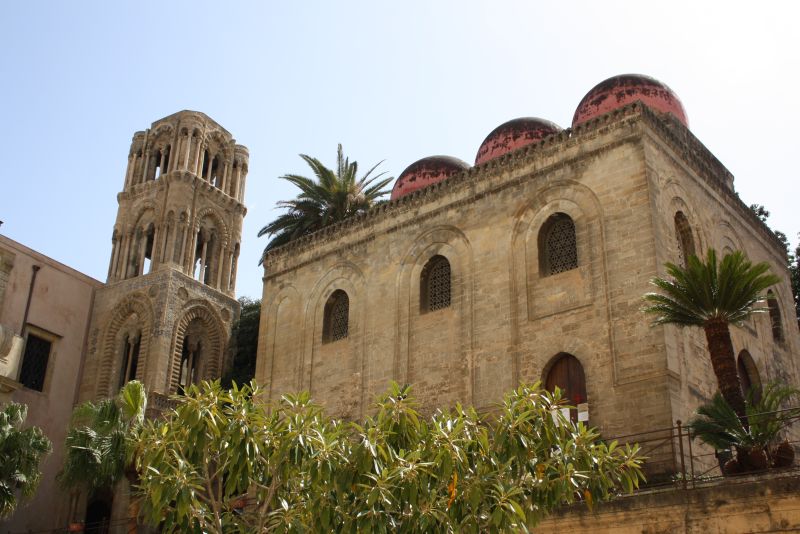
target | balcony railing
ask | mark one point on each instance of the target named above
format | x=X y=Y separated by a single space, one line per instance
x=674 y=459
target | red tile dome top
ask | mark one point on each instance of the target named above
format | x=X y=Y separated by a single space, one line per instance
x=512 y=135
x=626 y=88
x=425 y=172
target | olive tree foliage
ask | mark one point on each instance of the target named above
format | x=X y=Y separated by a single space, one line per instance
x=225 y=462
x=21 y=452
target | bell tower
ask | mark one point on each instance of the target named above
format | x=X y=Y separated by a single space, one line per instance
x=164 y=317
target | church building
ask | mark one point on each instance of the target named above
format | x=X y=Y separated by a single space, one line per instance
x=528 y=265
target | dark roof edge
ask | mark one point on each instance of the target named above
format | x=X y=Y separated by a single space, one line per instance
x=670 y=129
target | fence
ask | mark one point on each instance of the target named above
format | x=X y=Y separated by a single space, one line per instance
x=674 y=458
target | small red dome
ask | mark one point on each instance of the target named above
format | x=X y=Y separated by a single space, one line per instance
x=626 y=88
x=512 y=135
x=425 y=172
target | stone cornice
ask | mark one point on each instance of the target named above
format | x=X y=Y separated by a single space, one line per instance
x=674 y=134
x=142 y=190
x=692 y=151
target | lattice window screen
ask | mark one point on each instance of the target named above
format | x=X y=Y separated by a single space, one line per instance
x=437 y=282
x=683 y=233
x=34 y=362
x=337 y=316
x=775 y=317
x=562 y=249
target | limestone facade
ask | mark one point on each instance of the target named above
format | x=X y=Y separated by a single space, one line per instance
x=46 y=303
x=165 y=313
x=640 y=190
x=765 y=503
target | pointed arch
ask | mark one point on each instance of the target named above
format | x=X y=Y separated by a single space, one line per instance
x=565 y=372
x=200 y=322
x=558 y=250
x=749 y=376
x=134 y=314
x=435 y=285
x=776 y=321
x=683 y=233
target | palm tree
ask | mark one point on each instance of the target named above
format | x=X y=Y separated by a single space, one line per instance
x=99 y=450
x=332 y=197
x=713 y=296
x=21 y=452
x=716 y=424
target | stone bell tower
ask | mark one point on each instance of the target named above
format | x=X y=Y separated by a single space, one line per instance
x=164 y=317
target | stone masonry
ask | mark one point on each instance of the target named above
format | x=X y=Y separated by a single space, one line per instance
x=165 y=315
x=641 y=190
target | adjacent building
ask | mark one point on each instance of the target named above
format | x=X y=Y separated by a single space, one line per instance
x=163 y=317
x=45 y=310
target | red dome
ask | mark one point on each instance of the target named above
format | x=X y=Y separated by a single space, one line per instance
x=512 y=135
x=626 y=88
x=425 y=172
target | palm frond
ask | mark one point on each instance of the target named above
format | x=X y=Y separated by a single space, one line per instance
x=709 y=290
x=331 y=196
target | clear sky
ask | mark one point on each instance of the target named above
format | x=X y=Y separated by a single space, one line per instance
x=391 y=81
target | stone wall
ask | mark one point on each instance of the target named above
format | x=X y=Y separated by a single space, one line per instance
x=60 y=310
x=766 y=503
x=621 y=179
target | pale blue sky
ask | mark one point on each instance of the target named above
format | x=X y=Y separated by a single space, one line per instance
x=390 y=81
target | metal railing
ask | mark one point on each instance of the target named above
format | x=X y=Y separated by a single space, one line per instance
x=674 y=458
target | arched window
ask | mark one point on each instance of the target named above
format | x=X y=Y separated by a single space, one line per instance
x=205 y=255
x=130 y=359
x=558 y=250
x=147 y=257
x=214 y=176
x=775 y=316
x=434 y=285
x=336 y=319
x=683 y=233
x=190 y=359
x=206 y=165
x=748 y=373
x=566 y=372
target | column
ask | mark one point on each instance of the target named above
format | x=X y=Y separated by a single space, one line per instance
x=165 y=256
x=188 y=150
x=235 y=182
x=224 y=183
x=225 y=279
x=234 y=259
x=240 y=196
x=132 y=339
x=223 y=254
x=129 y=170
x=128 y=239
x=203 y=261
x=197 y=170
x=114 y=251
x=184 y=239
x=207 y=177
x=146 y=165
x=155 y=256
x=161 y=169
x=120 y=254
x=142 y=241
x=175 y=153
